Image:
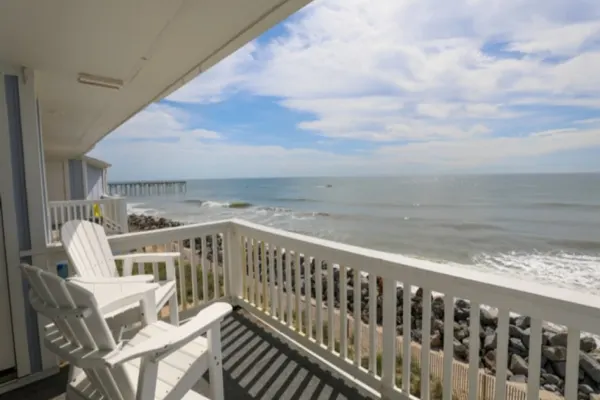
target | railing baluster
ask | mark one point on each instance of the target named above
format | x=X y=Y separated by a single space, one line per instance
x=288 y=287
x=572 y=366
x=204 y=266
x=62 y=218
x=244 y=266
x=308 y=307
x=426 y=344
x=155 y=271
x=319 y=298
x=388 y=362
x=272 y=286
x=298 y=287
x=448 y=345
x=474 y=351
x=281 y=301
x=215 y=265
x=194 y=271
x=264 y=276
x=330 y=309
x=406 y=337
x=357 y=317
x=181 y=268
x=343 y=314
x=372 y=324
x=226 y=265
x=253 y=272
x=502 y=352
x=57 y=222
x=535 y=355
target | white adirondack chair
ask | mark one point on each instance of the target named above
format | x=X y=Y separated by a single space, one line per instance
x=161 y=361
x=90 y=255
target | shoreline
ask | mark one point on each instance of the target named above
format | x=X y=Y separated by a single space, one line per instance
x=553 y=365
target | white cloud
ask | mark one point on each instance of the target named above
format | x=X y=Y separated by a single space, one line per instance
x=159 y=121
x=429 y=82
x=220 y=81
x=470 y=153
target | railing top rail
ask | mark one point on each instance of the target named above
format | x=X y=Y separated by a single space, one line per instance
x=80 y=202
x=487 y=288
x=131 y=240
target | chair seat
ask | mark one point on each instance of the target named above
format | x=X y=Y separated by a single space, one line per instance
x=191 y=359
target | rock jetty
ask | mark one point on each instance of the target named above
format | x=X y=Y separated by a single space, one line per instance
x=140 y=222
x=554 y=343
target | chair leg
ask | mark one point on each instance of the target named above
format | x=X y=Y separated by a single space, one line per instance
x=174 y=310
x=215 y=368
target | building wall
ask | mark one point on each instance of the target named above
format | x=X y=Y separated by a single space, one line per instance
x=76 y=180
x=95 y=182
x=55 y=177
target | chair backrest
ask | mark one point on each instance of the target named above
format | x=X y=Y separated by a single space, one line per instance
x=88 y=250
x=80 y=333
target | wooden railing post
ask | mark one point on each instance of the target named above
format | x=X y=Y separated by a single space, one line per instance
x=122 y=213
x=388 y=362
x=233 y=254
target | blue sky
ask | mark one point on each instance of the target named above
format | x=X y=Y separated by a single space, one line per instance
x=357 y=87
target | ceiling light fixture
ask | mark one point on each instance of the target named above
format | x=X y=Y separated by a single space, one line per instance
x=94 y=80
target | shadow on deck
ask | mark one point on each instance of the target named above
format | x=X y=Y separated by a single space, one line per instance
x=256 y=365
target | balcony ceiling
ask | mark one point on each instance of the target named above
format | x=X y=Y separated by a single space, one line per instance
x=153 y=46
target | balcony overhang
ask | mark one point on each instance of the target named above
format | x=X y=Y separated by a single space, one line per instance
x=99 y=63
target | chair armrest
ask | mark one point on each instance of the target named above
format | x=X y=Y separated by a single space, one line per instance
x=126 y=297
x=117 y=279
x=147 y=257
x=161 y=345
x=167 y=258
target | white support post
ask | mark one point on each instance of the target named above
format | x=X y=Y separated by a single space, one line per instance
x=11 y=241
x=233 y=251
x=33 y=152
x=84 y=178
x=123 y=216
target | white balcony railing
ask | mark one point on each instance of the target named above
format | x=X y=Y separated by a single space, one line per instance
x=111 y=212
x=357 y=315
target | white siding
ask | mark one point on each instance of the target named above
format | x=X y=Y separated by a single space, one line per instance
x=95 y=182
x=55 y=178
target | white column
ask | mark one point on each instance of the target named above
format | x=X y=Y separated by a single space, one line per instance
x=11 y=240
x=84 y=178
x=33 y=150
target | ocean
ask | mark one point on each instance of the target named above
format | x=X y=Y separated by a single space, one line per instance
x=543 y=227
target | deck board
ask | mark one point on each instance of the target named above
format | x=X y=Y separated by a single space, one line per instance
x=256 y=365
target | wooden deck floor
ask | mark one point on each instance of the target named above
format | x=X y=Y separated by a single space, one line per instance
x=256 y=364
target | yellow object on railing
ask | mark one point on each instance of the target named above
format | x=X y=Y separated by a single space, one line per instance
x=97 y=211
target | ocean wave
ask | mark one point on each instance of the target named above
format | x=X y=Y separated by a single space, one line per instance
x=209 y=203
x=275 y=209
x=140 y=208
x=315 y=214
x=559 y=268
x=296 y=199
x=194 y=201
